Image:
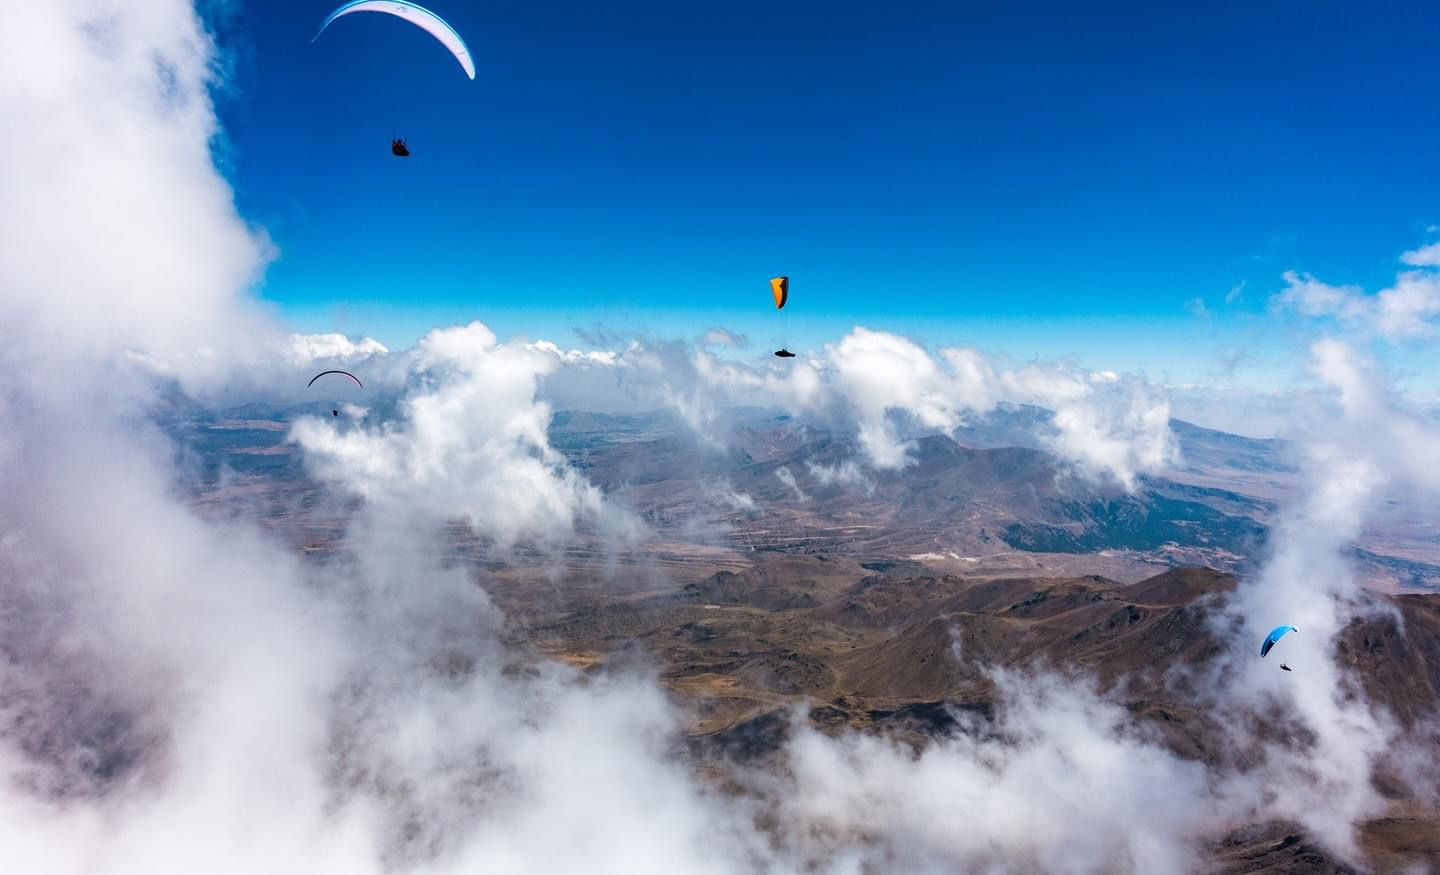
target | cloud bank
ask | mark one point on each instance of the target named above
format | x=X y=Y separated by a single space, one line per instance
x=1106 y=425
x=471 y=443
x=882 y=385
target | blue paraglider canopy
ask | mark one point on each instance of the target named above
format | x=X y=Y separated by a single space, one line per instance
x=1275 y=635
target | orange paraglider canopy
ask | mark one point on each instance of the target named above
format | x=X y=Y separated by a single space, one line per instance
x=780 y=288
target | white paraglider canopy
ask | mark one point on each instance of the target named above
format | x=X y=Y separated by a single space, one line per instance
x=417 y=15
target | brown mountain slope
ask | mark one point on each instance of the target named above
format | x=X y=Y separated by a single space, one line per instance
x=1396 y=655
x=909 y=656
x=1136 y=632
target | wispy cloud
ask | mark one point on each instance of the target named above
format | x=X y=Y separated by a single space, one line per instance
x=723 y=338
x=1406 y=309
x=787 y=477
x=846 y=473
x=1425 y=256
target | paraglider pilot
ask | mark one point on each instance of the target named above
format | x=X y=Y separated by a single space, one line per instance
x=399 y=149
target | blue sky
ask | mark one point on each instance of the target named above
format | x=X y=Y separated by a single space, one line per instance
x=1041 y=180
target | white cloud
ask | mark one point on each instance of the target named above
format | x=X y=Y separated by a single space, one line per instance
x=1062 y=783
x=1303 y=585
x=1425 y=256
x=116 y=232
x=604 y=358
x=303 y=349
x=796 y=387
x=724 y=492
x=846 y=473
x=1405 y=310
x=1106 y=425
x=877 y=372
x=1360 y=449
x=724 y=338
x=1123 y=437
x=788 y=478
x=1376 y=424
x=1314 y=298
x=701 y=387
x=354 y=411
x=471 y=443
x=1252 y=413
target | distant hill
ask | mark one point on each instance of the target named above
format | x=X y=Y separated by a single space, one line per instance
x=988 y=500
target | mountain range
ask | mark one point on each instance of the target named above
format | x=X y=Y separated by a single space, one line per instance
x=779 y=582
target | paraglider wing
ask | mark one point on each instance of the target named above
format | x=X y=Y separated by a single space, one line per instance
x=1275 y=635
x=417 y=15
x=342 y=373
x=785 y=353
x=780 y=288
